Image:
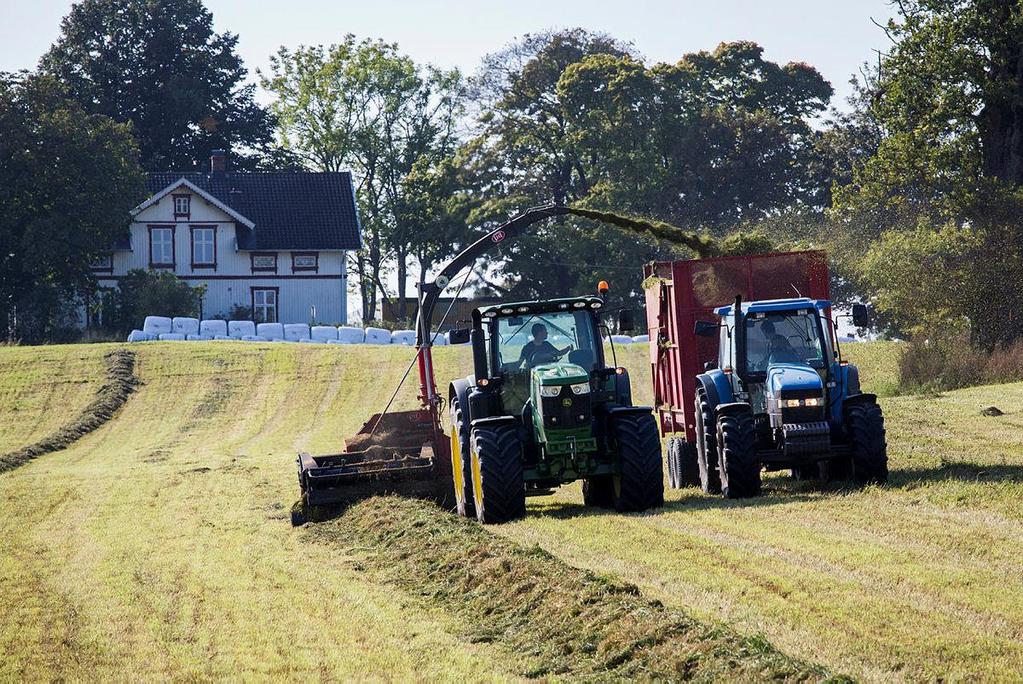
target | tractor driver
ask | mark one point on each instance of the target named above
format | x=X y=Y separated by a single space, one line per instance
x=779 y=348
x=538 y=350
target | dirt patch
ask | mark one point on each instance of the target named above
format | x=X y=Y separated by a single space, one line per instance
x=121 y=382
x=559 y=621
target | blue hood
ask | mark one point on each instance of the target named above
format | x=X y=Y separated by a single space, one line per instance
x=792 y=376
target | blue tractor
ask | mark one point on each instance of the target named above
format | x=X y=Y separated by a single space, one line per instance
x=780 y=397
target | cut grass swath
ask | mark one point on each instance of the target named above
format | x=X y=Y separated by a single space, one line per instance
x=121 y=382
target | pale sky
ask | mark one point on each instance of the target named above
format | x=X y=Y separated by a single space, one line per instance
x=833 y=35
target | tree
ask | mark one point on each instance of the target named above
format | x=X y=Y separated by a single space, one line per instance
x=68 y=180
x=364 y=105
x=144 y=293
x=160 y=65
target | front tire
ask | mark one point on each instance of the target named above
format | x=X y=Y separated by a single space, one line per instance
x=598 y=491
x=865 y=425
x=640 y=485
x=499 y=492
x=461 y=465
x=737 y=456
x=706 y=445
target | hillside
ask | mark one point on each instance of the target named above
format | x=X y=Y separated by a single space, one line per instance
x=159 y=546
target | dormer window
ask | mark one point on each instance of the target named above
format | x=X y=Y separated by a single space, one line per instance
x=182 y=206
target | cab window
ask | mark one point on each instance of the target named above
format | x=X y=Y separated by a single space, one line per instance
x=783 y=337
x=529 y=340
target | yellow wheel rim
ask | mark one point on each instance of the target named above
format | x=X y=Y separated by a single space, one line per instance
x=477 y=481
x=456 y=464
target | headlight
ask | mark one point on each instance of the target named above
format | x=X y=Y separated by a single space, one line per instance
x=581 y=388
x=812 y=401
x=550 y=391
x=795 y=403
x=791 y=403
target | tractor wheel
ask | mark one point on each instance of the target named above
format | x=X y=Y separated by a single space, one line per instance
x=461 y=462
x=598 y=491
x=737 y=464
x=687 y=469
x=869 y=461
x=673 y=457
x=298 y=512
x=706 y=445
x=640 y=485
x=499 y=492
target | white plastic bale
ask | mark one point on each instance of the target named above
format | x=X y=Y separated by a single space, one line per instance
x=621 y=339
x=641 y=338
x=157 y=325
x=296 y=332
x=254 y=338
x=185 y=325
x=346 y=335
x=172 y=337
x=219 y=338
x=439 y=340
x=310 y=340
x=198 y=338
x=140 y=336
x=406 y=337
x=241 y=329
x=213 y=328
x=270 y=331
x=323 y=333
x=378 y=336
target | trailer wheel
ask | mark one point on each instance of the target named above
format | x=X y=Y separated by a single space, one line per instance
x=687 y=470
x=706 y=445
x=869 y=461
x=673 y=458
x=738 y=465
x=461 y=465
x=298 y=512
x=499 y=492
x=598 y=491
x=640 y=485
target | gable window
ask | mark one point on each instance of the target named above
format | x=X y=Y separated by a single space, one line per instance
x=264 y=262
x=182 y=205
x=264 y=304
x=161 y=246
x=204 y=246
x=305 y=261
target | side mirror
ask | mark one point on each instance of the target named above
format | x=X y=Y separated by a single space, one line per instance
x=706 y=329
x=459 y=335
x=860 y=316
x=709 y=366
x=625 y=321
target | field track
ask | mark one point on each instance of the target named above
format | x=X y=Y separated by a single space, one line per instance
x=158 y=545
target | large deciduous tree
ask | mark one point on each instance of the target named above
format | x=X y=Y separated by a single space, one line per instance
x=364 y=105
x=160 y=65
x=68 y=179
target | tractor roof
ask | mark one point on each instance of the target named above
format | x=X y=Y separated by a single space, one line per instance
x=541 y=306
x=766 y=305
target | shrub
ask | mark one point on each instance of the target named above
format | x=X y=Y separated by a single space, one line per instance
x=145 y=293
x=935 y=364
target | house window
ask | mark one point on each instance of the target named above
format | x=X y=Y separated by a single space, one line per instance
x=182 y=205
x=305 y=261
x=103 y=264
x=204 y=246
x=161 y=246
x=265 y=262
x=264 y=304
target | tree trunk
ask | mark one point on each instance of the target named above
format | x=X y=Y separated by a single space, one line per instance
x=402 y=258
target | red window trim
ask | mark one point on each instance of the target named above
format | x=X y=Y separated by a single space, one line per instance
x=299 y=269
x=174 y=206
x=104 y=269
x=277 y=301
x=262 y=269
x=191 y=235
x=174 y=245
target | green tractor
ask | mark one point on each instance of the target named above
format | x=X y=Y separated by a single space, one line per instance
x=543 y=409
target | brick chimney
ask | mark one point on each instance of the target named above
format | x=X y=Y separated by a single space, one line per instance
x=218 y=161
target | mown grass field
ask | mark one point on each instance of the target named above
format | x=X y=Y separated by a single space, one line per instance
x=159 y=545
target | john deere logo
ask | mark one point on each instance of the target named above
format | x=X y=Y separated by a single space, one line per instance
x=566 y=402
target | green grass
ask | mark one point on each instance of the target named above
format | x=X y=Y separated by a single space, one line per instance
x=158 y=546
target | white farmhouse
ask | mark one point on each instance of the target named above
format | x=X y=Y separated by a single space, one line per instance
x=272 y=242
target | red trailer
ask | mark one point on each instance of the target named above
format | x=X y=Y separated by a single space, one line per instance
x=679 y=293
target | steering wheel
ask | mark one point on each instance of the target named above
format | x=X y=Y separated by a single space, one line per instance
x=547 y=357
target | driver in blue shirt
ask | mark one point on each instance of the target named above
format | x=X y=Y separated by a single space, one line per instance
x=538 y=350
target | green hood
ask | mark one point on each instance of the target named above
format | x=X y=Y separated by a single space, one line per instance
x=560 y=374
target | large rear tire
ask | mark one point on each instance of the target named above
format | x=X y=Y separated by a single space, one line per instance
x=461 y=462
x=640 y=485
x=706 y=445
x=865 y=425
x=499 y=493
x=737 y=456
